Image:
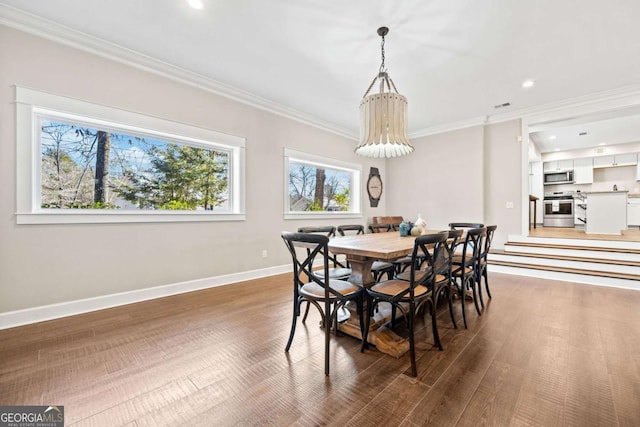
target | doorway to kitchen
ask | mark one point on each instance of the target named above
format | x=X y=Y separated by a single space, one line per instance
x=571 y=152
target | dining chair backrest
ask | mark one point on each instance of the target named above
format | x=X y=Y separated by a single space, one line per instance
x=393 y=221
x=328 y=230
x=473 y=246
x=359 y=229
x=463 y=225
x=487 y=242
x=443 y=266
x=379 y=228
x=428 y=249
x=315 y=245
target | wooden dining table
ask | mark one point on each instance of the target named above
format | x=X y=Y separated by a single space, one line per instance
x=361 y=251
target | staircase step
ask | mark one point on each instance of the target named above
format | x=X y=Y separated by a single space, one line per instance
x=589 y=260
x=594 y=262
x=605 y=274
x=575 y=247
x=560 y=250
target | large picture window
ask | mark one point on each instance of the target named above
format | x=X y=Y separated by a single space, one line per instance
x=320 y=187
x=88 y=169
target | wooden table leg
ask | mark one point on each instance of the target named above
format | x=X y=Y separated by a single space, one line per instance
x=383 y=338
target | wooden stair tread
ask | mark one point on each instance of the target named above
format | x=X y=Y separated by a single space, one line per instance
x=568 y=258
x=579 y=248
x=567 y=270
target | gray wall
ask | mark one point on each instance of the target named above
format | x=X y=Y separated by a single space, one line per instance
x=467 y=175
x=46 y=264
x=446 y=179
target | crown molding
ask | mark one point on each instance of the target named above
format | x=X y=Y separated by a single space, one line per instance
x=32 y=24
x=58 y=33
x=448 y=127
x=613 y=99
x=609 y=100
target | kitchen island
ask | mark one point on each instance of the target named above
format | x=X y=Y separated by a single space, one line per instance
x=606 y=212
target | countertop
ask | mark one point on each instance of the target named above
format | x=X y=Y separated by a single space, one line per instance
x=603 y=192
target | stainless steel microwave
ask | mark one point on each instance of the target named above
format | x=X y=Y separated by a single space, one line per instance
x=558 y=177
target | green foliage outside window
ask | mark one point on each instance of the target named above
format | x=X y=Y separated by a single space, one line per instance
x=88 y=168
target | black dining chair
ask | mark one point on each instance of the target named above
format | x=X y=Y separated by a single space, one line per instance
x=464 y=225
x=339 y=270
x=481 y=270
x=465 y=267
x=326 y=294
x=378 y=268
x=444 y=282
x=415 y=292
x=400 y=264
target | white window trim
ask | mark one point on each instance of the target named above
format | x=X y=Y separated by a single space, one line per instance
x=356 y=194
x=30 y=103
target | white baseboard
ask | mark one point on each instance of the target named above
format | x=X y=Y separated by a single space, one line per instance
x=27 y=316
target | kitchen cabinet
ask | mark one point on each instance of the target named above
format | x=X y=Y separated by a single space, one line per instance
x=628 y=159
x=583 y=171
x=606 y=212
x=633 y=212
x=558 y=165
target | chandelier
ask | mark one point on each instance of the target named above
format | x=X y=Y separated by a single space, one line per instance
x=383 y=117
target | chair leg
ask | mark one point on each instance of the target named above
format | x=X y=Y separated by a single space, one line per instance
x=360 y=309
x=478 y=283
x=367 y=321
x=296 y=313
x=412 y=347
x=327 y=334
x=486 y=281
x=450 y=300
x=475 y=295
x=463 y=296
x=434 y=325
x=306 y=312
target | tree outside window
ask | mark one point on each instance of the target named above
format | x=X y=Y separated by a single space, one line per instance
x=319 y=185
x=83 y=167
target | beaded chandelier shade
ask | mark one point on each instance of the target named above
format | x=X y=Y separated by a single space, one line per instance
x=383 y=117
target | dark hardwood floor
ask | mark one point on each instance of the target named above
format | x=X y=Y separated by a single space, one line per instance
x=544 y=353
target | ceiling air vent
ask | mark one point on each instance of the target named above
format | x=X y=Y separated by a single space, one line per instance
x=600 y=150
x=582 y=133
x=506 y=104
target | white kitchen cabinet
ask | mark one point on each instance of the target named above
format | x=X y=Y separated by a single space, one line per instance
x=583 y=171
x=606 y=212
x=628 y=159
x=558 y=165
x=633 y=212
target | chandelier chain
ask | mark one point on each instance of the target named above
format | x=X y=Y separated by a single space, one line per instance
x=382 y=51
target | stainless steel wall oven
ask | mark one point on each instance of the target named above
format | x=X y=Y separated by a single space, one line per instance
x=558 y=211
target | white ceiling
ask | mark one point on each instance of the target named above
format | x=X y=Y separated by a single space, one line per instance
x=453 y=60
x=589 y=131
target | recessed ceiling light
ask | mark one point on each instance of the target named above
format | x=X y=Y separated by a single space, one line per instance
x=552 y=137
x=528 y=84
x=196 y=4
x=603 y=143
x=557 y=149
